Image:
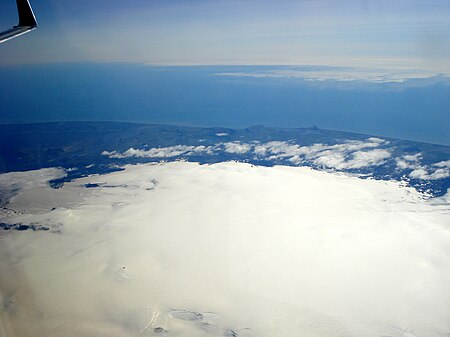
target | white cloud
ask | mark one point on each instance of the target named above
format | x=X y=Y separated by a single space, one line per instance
x=419 y=173
x=350 y=154
x=267 y=245
x=440 y=174
x=368 y=158
x=359 y=159
x=237 y=147
x=354 y=145
x=330 y=158
x=339 y=74
x=377 y=140
x=423 y=172
x=346 y=155
x=276 y=150
x=161 y=152
x=409 y=161
x=413 y=157
x=403 y=164
x=443 y=164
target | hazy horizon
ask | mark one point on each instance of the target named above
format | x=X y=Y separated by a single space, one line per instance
x=400 y=34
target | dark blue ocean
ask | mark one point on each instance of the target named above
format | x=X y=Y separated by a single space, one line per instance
x=417 y=109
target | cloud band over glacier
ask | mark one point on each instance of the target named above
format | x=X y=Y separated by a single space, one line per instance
x=346 y=156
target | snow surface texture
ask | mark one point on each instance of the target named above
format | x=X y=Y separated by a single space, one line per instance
x=230 y=249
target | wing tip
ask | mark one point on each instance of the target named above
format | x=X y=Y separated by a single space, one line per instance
x=27 y=22
x=26 y=15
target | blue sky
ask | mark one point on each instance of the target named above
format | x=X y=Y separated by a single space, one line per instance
x=412 y=34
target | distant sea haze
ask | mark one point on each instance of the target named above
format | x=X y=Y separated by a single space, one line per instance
x=405 y=105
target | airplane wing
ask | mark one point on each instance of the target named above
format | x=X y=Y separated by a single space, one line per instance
x=27 y=22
